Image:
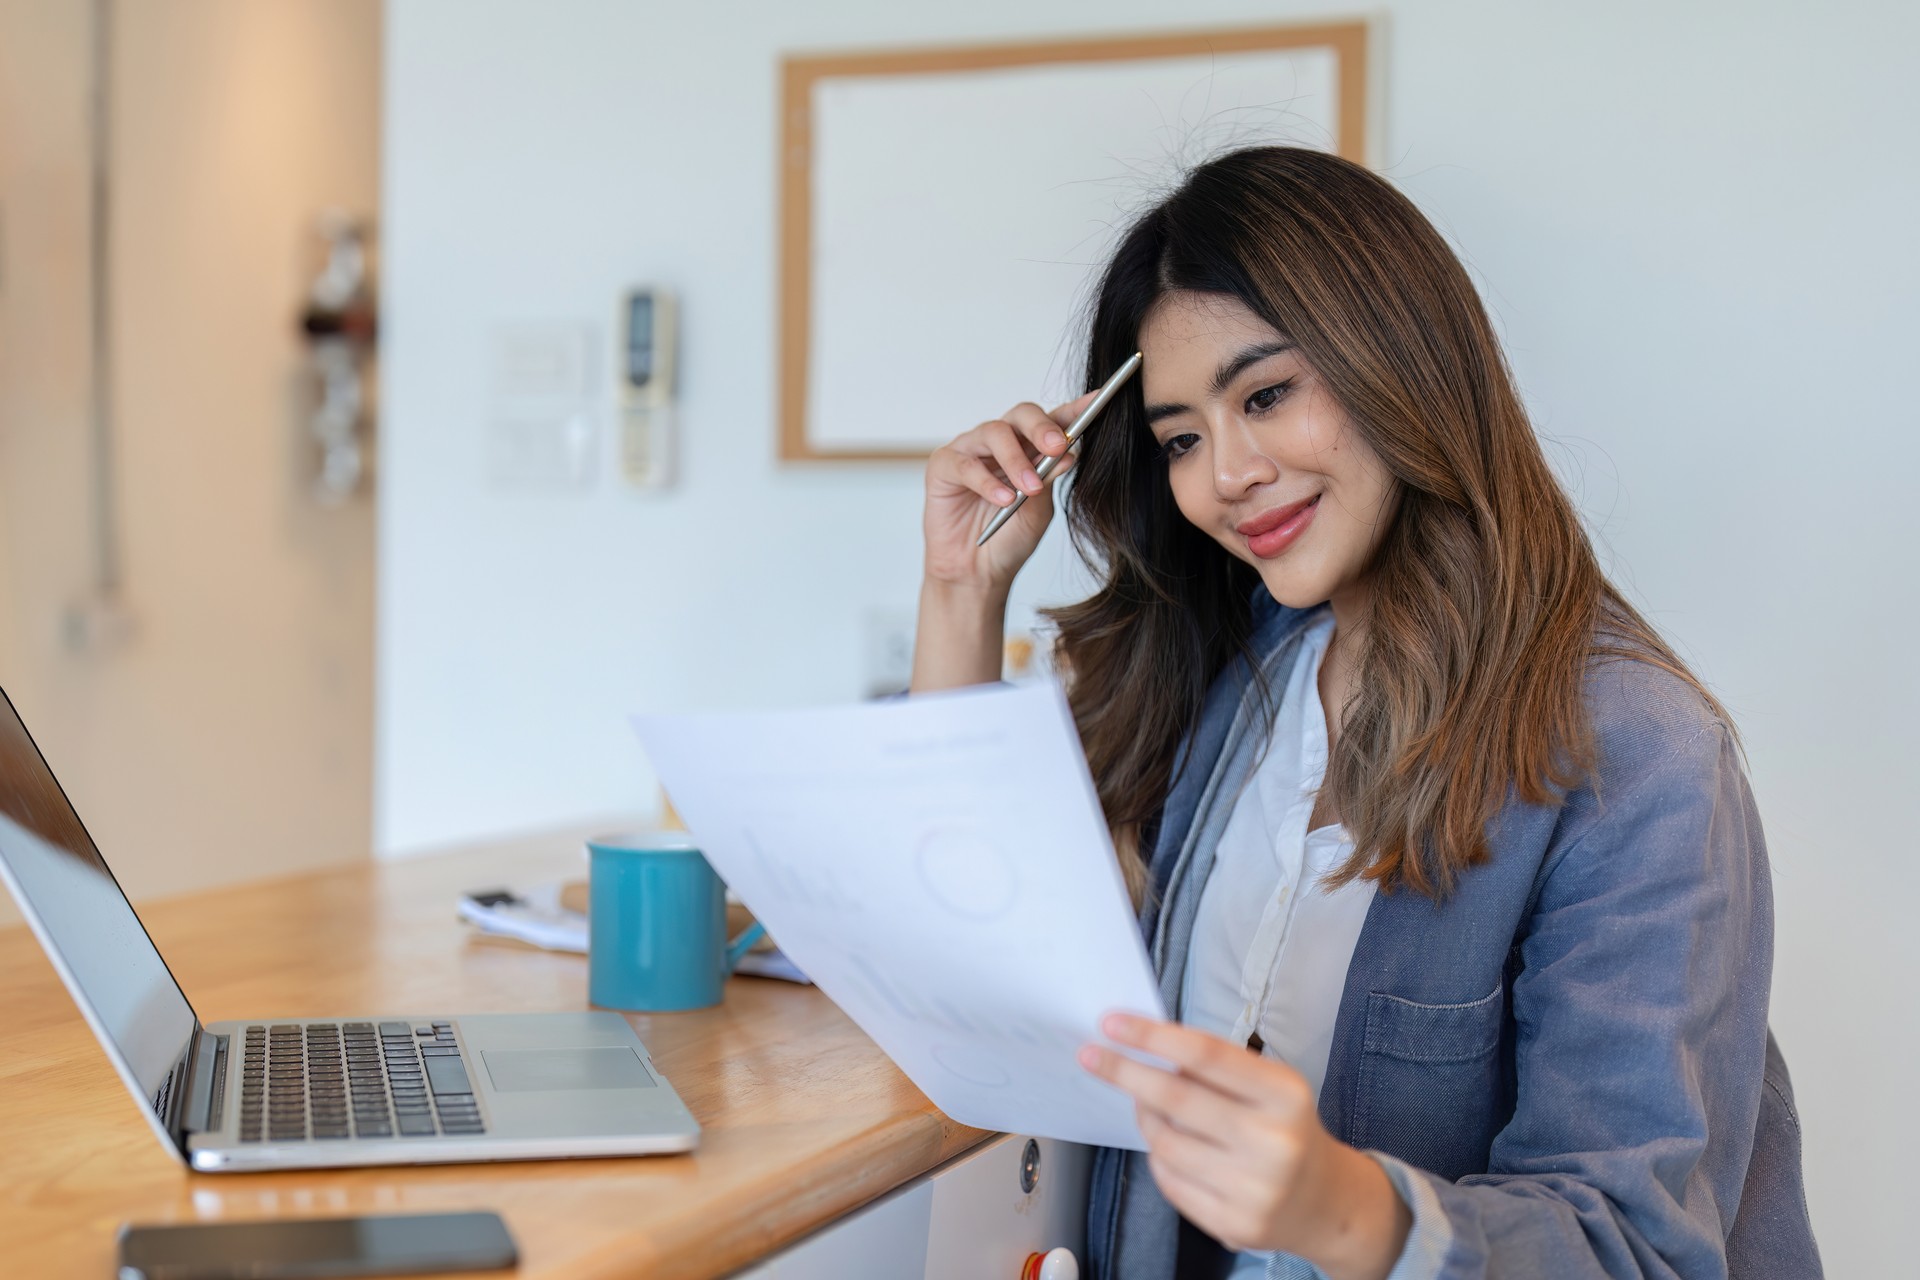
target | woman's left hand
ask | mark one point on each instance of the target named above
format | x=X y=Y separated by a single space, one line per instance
x=1236 y=1145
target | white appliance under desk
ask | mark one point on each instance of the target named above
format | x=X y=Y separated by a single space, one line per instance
x=980 y=1216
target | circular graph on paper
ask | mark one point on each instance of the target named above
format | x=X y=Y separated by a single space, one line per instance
x=972 y=1066
x=964 y=871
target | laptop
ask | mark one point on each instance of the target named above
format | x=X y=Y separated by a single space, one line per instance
x=284 y=1093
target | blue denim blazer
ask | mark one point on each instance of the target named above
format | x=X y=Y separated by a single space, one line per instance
x=1570 y=1051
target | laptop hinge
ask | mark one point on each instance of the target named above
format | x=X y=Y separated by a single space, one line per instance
x=194 y=1097
x=217 y=1086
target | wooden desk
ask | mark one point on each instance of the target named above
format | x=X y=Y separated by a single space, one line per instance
x=805 y=1118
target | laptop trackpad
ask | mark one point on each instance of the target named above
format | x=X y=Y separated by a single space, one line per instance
x=549 y=1070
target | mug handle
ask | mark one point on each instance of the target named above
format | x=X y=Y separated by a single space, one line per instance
x=743 y=944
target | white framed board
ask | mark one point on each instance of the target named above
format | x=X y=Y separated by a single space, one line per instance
x=943 y=210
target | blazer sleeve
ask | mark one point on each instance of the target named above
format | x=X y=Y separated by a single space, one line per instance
x=1640 y=1011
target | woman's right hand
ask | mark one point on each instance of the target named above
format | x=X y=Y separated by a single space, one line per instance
x=973 y=476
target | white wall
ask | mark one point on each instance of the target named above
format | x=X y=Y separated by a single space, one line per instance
x=1694 y=224
x=229 y=736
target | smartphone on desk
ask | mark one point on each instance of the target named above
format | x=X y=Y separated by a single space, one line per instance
x=304 y=1248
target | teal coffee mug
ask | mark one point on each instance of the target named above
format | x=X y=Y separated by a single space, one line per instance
x=657 y=925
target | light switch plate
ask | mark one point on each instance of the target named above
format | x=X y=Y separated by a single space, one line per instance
x=542 y=360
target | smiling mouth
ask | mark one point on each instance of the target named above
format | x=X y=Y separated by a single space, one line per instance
x=1274 y=531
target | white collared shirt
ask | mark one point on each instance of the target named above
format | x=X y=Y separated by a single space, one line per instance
x=1270 y=945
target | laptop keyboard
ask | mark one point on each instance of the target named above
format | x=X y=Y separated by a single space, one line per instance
x=327 y=1081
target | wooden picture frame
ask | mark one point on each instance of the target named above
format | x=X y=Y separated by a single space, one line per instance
x=802 y=75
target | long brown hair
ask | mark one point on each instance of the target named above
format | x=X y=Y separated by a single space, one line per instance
x=1486 y=602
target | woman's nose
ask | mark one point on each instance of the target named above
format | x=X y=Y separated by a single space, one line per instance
x=1239 y=463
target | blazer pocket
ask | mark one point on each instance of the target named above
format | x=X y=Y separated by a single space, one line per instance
x=1430 y=1085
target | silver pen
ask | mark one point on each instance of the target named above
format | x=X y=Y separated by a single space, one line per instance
x=1074 y=432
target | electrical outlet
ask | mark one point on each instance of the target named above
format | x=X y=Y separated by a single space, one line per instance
x=889 y=653
x=542 y=451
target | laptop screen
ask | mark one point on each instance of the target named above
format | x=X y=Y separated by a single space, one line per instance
x=99 y=944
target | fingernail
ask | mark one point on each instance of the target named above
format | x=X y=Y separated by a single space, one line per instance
x=1054 y=440
x=1031 y=481
x=1089 y=1057
x=1003 y=496
x=1117 y=1025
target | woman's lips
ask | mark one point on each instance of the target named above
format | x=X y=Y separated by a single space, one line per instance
x=1269 y=534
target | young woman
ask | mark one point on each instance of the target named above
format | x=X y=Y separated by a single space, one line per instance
x=1448 y=866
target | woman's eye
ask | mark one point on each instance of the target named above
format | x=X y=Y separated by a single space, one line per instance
x=1267 y=397
x=1178 y=446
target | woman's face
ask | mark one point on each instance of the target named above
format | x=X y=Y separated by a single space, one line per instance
x=1259 y=456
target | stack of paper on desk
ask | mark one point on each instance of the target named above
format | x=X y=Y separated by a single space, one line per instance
x=939 y=866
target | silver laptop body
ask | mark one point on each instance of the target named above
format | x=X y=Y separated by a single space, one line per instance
x=314 y=1092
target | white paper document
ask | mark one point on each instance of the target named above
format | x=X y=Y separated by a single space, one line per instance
x=939 y=867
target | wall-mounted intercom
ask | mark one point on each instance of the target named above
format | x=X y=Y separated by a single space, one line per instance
x=649 y=351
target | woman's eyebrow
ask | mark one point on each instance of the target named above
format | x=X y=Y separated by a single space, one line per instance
x=1223 y=377
x=1234 y=366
